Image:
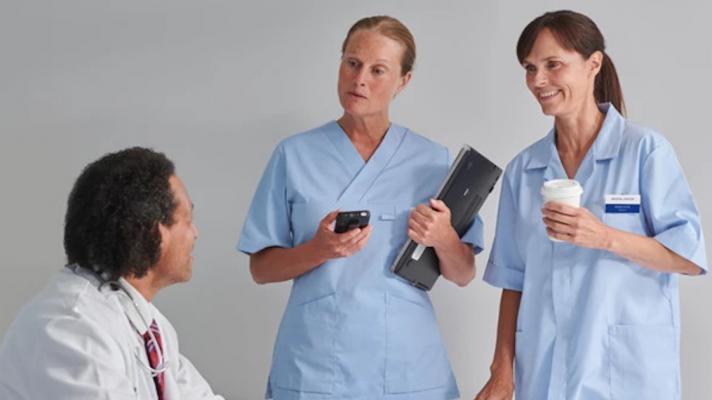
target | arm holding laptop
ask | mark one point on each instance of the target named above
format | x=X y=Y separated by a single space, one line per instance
x=431 y=227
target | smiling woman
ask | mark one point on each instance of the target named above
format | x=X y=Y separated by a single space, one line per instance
x=580 y=39
x=346 y=330
x=593 y=314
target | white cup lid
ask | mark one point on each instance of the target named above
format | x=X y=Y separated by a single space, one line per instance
x=561 y=188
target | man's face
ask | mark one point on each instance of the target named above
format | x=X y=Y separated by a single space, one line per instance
x=176 y=261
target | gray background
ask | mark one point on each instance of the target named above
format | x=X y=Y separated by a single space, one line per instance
x=216 y=84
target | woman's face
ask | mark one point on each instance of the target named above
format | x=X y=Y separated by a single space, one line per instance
x=370 y=74
x=561 y=80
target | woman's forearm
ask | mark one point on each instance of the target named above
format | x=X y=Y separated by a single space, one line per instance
x=648 y=252
x=506 y=327
x=457 y=260
x=279 y=264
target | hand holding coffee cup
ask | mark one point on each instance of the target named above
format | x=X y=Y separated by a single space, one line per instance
x=565 y=191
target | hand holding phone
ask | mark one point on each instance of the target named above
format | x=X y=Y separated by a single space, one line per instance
x=336 y=236
x=348 y=220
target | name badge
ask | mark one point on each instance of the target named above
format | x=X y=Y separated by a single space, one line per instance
x=623 y=203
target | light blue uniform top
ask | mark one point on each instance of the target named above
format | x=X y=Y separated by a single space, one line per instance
x=591 y=324
x=352 y=329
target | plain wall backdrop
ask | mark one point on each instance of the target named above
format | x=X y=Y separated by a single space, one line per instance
x=216 y=84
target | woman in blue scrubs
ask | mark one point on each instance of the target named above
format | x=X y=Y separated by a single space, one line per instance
x=595 y=316
x=351 y=328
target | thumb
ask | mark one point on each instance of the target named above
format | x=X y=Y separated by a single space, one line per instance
x=330 y=218
x=438 y=205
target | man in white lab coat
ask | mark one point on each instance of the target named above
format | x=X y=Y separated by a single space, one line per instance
x=93 y=333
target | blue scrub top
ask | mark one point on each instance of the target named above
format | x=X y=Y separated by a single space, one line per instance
x=591 y=324
x=351 y=328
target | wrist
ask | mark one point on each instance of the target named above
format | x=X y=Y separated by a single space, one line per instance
x=503 y=363
x=610 y=239
x=312 y=254
x=503 y=370
x=449 y=240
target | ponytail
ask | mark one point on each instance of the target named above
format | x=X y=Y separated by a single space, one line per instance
x=607 y=88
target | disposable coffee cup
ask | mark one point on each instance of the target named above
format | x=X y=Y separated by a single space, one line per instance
x=564 y=191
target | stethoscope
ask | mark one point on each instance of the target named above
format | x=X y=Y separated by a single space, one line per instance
x=117 y=287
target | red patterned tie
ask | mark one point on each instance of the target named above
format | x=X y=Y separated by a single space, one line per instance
x=153 y=356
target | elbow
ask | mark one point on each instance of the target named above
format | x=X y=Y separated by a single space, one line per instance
x=465 y=280
x=462 y=283
x=257 y=277
x=461 y=275
x=469 y=275
x=694 y=270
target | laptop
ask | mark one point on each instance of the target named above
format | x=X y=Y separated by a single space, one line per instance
x=469 y=181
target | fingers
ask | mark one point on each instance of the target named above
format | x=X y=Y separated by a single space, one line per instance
x=423 y=211
x=363 y=238
x=360 y=234
x=561 y=208
x=423 y=214
x=439 y=205
x=357 y=242
x=559 y=235
x=559 y=226
x=329 y=219
x=418 y=223
x=559 y=217
x=416 y=236
x=348 y=237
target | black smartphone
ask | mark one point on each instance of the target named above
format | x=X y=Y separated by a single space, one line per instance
x=347 y=220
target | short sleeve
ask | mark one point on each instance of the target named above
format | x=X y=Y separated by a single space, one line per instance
x=267 y=222
x=670 y=210
x=474 y=235
x=505 y=268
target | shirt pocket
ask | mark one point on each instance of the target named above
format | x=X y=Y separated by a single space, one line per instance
x=627 y=222
x=644 y=362
x=304 y=352
x=416 y=359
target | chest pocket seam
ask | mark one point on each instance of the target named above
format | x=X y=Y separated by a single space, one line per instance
x=628 y=222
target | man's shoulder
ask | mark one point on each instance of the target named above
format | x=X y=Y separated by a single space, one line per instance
x=68 y=302
x=69 y=323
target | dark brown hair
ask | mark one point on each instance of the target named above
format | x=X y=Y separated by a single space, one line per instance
x=390 y=28
x=114 y=210
x=577 y=32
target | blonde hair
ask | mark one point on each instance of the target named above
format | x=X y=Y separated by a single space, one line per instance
x=390 y=28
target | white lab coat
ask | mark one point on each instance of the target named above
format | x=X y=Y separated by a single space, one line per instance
x=74 y=341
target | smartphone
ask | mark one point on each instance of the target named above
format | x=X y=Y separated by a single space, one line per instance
x=347 y=220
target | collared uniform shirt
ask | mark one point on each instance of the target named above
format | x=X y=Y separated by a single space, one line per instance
x=75 y=341
x=591 y=324
x=352 y=329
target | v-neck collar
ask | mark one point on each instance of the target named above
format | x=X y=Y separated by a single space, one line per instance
x=364 y=172
x=604 y=147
